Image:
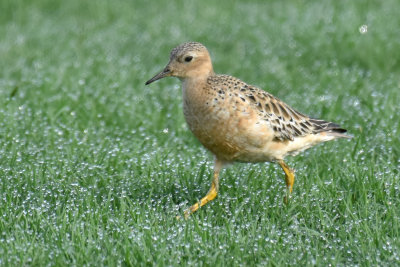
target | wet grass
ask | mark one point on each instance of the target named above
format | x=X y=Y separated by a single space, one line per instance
x=94 y=166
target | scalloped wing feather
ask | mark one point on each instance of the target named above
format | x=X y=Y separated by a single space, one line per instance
x=286 y=123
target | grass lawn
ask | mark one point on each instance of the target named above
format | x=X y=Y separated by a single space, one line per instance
x=94 y=166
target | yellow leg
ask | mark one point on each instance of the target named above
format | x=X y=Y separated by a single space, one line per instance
x=289 y=178
x=212 y=193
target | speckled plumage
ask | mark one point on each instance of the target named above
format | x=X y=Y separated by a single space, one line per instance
x=237 y=121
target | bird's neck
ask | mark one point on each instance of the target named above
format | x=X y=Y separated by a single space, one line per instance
x=196 y=82
x=193 y=88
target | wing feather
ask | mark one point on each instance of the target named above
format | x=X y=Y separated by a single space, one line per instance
x=286 y=122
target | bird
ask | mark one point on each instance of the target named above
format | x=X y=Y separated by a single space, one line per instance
x=239 y=122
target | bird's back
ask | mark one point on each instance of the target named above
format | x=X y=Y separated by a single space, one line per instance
x=237 y=121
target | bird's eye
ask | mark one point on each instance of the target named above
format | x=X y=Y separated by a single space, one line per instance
x=188 y=58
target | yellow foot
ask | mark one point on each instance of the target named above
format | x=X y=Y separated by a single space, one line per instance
x=212 y=193
x=289 y=179
x=186 y=215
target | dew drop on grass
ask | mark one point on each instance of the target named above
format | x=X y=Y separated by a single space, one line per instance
x=363 y=29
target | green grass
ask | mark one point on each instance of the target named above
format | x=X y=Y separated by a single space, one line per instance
x=94 y=166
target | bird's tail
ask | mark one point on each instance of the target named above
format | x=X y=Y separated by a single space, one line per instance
x=329 y=128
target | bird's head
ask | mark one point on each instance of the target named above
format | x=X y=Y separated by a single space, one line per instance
x=188 y=60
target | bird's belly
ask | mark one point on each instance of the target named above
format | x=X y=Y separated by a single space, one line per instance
x=213 y=130
x=228 y=135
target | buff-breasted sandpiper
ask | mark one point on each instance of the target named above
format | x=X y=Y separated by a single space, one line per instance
x=237 y=121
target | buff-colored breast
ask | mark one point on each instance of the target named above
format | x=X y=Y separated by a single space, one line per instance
x=224 y=124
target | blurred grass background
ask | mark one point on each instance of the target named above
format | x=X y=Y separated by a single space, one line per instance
x=94 y=166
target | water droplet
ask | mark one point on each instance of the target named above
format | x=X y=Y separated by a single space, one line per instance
x=363 y=29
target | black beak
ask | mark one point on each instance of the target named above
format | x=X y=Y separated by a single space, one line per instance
x=164 y=73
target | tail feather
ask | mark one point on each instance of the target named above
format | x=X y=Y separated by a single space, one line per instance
x=330 y=128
